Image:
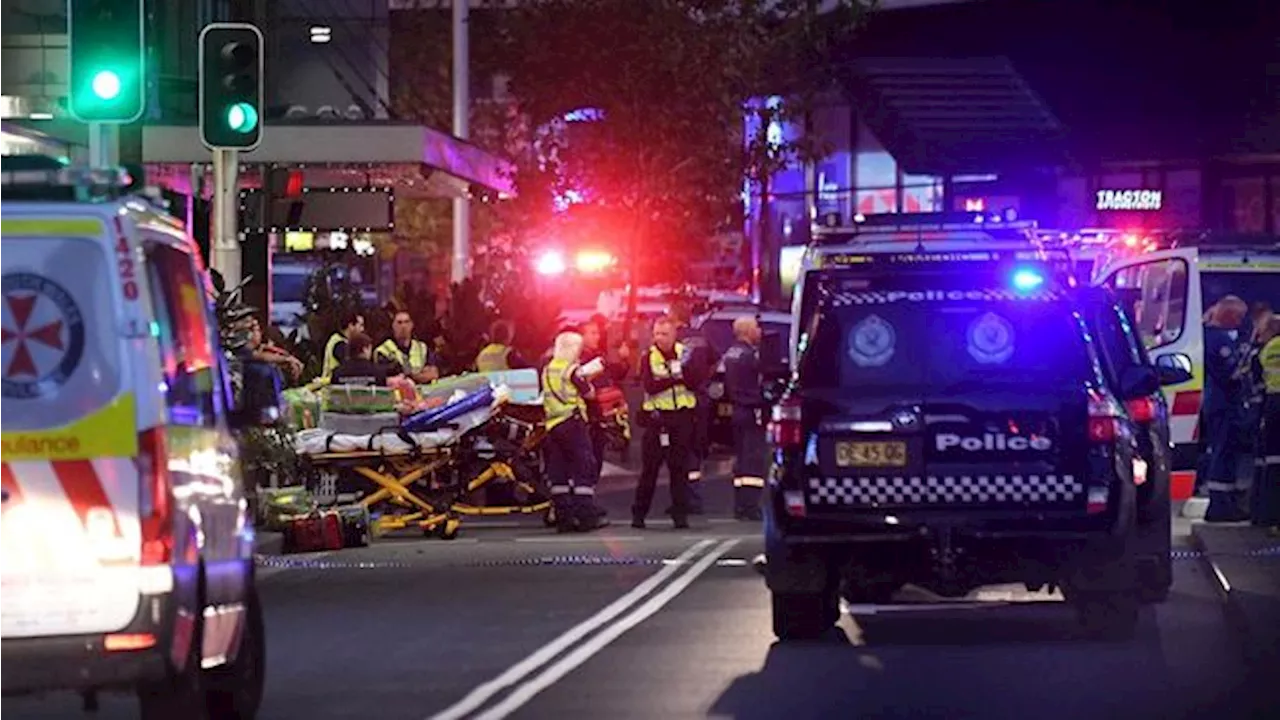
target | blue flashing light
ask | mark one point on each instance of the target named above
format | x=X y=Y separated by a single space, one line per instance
x=1026 y=280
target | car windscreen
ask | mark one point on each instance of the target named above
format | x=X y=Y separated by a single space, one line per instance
x=935 y=341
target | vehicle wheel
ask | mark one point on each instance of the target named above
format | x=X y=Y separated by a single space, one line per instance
x=181 y=693
x=804 y=616
x=1108 y=617
x=235 y=690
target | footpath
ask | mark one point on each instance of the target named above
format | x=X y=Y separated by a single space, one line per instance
x=1245 y=562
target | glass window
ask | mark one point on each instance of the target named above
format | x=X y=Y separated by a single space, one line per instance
x=184 y=334
x=289 y=287
x=1155 y=296
x=1116 y=340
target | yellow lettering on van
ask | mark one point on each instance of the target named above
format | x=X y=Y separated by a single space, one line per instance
x=108 y=432
x=26 y=227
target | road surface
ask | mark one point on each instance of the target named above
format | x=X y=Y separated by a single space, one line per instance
x=663 y=623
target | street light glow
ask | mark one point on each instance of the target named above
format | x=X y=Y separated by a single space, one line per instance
x=106 y=85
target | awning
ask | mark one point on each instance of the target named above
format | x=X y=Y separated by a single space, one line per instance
x=950 y=116
x=348 y=144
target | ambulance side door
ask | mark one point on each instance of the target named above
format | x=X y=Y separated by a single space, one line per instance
x=1161 y=291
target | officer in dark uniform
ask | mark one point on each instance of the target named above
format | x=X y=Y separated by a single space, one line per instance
x=1223 y=409
x=745 y=390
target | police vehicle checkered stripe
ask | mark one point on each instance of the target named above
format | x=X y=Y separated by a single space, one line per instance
x=945 y=489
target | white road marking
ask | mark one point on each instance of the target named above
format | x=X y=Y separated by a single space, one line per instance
x=548 y=652
x=264 y=573
x=568 y=663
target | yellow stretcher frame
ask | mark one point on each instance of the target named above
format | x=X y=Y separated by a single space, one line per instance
x=394 y=473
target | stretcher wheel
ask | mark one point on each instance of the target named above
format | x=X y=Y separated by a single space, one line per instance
x=549 y=517
x=449 y=529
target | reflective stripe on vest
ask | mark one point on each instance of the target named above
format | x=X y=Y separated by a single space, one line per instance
x=416 y=359
x=560 y=397
x=493 y=358
x=1269 y=359
x=330 y=357
x=677 y=397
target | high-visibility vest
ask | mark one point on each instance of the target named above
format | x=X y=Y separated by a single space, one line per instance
x=331 y=355
x=493 y=358
x=1269 y=359
x=561 y=400
x=677 y=397
x=413 y=362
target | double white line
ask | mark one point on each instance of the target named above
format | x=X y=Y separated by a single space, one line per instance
x=608 y=618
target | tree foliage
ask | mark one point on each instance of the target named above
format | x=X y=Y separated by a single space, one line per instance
x=671 y=81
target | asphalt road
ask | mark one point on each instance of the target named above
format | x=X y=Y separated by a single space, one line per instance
x=523 y=623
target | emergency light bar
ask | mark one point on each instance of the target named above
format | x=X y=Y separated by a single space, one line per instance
x=935 y=259
x=68 y=177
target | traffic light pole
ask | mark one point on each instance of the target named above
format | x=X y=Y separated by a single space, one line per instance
x=224 y=250
x=104 y=145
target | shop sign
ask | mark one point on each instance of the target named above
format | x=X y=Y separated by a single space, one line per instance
x=1129 y=200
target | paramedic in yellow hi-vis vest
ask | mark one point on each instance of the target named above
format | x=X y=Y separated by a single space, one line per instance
x=498 y=355
x=1265 y=505
x=409 y=352
x=571 y=467
x=335 y=350
x=668 y=419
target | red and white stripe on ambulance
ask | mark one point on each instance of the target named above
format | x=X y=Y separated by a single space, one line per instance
x=85 y=501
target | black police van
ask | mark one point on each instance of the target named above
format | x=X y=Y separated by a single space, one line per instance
x=952 y=423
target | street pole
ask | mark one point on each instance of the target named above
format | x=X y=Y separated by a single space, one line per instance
x=461 y=129
x=224 y=253
x=104 y=145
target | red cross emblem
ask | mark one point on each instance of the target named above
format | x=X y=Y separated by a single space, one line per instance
x=27 y=335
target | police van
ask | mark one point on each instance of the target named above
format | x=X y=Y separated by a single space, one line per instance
x=128 y=543
x=1170 y=280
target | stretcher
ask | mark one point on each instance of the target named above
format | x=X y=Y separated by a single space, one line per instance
x=423 y=470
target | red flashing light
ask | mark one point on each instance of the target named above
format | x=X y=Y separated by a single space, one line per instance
x=593 y=261
x=550 y=262
x=294 y=184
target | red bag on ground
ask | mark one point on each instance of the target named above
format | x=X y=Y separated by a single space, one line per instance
x=313 y=533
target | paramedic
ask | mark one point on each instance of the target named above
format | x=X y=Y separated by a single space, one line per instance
x=404 y=349
x=335 y=350
x=498 y=355
x=359 y=368
x=668 y=416
x=570 y=466
x=745 y=390
x=594 y=346
x=1265 y=505
x=1223 y=408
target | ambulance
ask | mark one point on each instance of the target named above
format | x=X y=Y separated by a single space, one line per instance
x=127 y=539
x=1169 y=280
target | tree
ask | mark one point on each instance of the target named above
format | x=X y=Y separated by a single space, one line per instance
x=668 y=83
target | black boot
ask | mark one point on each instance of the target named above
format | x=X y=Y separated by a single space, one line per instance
x=1224 y=507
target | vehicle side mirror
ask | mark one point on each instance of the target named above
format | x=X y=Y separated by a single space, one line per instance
x=1139 y=381
x=1174 y=368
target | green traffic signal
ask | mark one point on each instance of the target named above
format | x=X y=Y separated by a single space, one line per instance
x=242 y=117
x=106 y=85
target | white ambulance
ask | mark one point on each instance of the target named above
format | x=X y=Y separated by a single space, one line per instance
x=127 y=542
x=1169 y=282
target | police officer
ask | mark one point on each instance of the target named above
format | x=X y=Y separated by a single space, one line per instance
x=407 y=351
x=745 y=390
x=1265 y=507
x=570 y=465
x=668 y=418
x=1223 y=409
x=498 y=355
x=335 y=350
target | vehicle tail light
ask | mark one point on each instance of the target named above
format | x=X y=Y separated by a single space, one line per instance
x=1142 y=410
x=125 y=642
x=785 y=426
x=157 y=508
x=1104 y=418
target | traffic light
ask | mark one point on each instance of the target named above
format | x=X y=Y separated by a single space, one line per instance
x=107 y=54
x=231 y=86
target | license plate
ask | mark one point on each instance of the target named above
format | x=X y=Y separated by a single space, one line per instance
x=725 y=410
x=871 y=454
